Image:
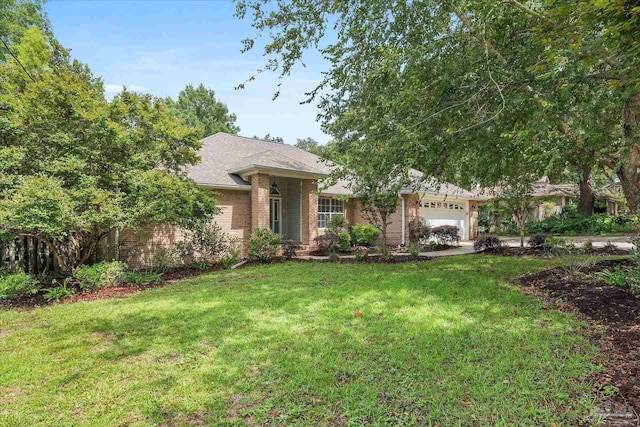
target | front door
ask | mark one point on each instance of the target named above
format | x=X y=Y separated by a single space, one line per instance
x=275 y=214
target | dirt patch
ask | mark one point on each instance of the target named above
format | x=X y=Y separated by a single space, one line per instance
x=527 y=251
x=614 y=314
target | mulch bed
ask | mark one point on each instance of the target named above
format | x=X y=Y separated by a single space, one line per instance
x=614 y=314
x=527 y=251
x=30 y=302
x=402 y=251
x=369 y=259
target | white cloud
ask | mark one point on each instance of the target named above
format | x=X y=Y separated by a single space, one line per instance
x=112 y=89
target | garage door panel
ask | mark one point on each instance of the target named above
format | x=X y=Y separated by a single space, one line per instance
x=438 y=217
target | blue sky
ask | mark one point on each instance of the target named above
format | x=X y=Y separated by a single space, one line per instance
x=159 y=47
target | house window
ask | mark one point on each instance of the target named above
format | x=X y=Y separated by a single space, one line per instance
x=327 y=209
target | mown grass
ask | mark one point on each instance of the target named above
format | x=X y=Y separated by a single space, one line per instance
x=444 y=342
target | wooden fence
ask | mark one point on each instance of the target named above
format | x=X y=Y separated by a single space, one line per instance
x=26 y=254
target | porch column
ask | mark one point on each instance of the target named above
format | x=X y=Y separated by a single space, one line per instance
x=260 y=201
x=309 y=202
x=473 y=219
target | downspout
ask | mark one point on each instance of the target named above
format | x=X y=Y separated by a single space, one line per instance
x=403 y=220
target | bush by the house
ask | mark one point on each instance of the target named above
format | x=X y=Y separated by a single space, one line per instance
x=16 y=285
x=166 y=259
x=419 y=230
x=327 y=244
x=234 y=252
x=365 y=234
x=337 y=224
x=100 y=275
x=206 y=241
x=263 y=244
x=414 y=249
x=140 y=278
x=289 y=248
x=446 y=234
x=487 y=242
x=344 y=241
x=60 y=292
x=537 y=241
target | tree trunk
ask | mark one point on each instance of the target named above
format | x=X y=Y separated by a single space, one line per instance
x=384 y=235
x=585 y=205
x=629 y=172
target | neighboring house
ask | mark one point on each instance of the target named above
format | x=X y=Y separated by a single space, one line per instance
x=264 y=184
x=549 y=199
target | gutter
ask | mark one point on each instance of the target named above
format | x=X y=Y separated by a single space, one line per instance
x=225 y=186
x=403 y=221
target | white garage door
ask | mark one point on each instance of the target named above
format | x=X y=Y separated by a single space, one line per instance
x=445 y=213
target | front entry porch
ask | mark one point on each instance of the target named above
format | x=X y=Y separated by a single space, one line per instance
x=286 y=205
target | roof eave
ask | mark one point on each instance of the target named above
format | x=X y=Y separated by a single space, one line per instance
x=284 y=172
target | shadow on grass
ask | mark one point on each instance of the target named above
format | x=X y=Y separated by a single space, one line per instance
x=433 y=342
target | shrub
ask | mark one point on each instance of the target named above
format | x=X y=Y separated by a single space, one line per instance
x=59 y=292
x=206 y=241
x=101 y=275
x=365 y=234
x=414 y=249
x=327 y=243
x=487 y=242
x=166 y=259
x=234 y=252
x=337 y=224
x=446 y=234
x=289 y=248
x=138 y=278
x=570 y=222
x=615 y=277
x=587 y=246
x=16 y=285
x=359 y=256
x=432 y=245
x=344 y=241
x=263 y=244
x=537 y=241
x=419 y=230
x=334 y=257
x=388 y=257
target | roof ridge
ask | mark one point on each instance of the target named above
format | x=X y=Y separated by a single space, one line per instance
x=250 y=138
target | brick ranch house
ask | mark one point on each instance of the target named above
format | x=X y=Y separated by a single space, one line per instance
x=262 y=184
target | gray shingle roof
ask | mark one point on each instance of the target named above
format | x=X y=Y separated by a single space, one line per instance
x=223 y=156
x=222 y=153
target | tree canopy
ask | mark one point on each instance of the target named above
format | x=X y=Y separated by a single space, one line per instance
x=459 y=88
x=268 y=137
x=198 y=107
x=73 y=166
x=308 y=144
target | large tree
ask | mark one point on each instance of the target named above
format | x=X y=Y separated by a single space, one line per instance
x=308 y=144
x=375 y=181
x=74 y=167
x=461 y=87
x=199 y=108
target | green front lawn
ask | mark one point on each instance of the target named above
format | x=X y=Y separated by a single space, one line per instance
x=444 y=342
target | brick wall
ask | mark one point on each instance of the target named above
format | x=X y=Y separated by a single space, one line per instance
x=139 y=247
x=309 y=211
x=260 y=201
x=394 y=229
